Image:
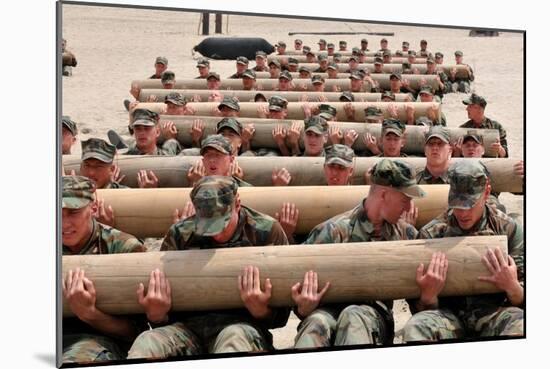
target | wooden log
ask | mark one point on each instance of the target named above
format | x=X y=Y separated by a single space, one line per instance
x=357 y=272
x=461 y=70
x=248 y=96
x=303 y=84
x=295 y=111
x=305 y=171
x=283 y=59
x=148 y=212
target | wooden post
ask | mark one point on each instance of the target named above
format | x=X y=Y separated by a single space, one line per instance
x=218 y=23
x=205 y=24
x=207 y=279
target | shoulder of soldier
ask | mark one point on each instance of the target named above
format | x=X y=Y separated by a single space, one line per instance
x=502 y=222
x=181 y=232
x=335 y=229
x=406 y=231
x=133 y=151
x=241 y=183
x=115 y=185
x=258 y=220
x=436 y=228
x=468 y=124
x=494 y=123
x=119 y=242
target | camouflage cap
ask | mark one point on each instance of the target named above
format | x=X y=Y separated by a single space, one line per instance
x=364 y=41
x=347 y=96
x=438 y=54
x=373 y=112
x=214 y=200
x=285 y=75
x=398 y=175
x=96 y=148
x=327 y=111
x=217 y=142
x=231 y=102
x=322 y=57
x=275 y=62
x=203 y=62
x=398 y=53
x=259 y=96
x=395 y=75
x=68 y=123
x=306 y=49
x=353 y=58
x=161 y=60
x=175 y=98
x=304 y=69
x=386 y=53
x=467 y=179
x=242 y=60
x=214 y=75
x=330 y=45
x=316 y=124
x=388 y=95
x=322 y=41
x=459 y=53
x=333 y=66
x=474 y=135
x=281 y=44
x=394 y=126
x=378 y=54
x=78 y=191
x=342 y=43
x=339 y=154
x=384 y=40
x=292 y=61
x=167 y=77
x=144 y=120
x=423 y=42
x=378 y=60
x=426 y=89
x=412 y=52
x=230 y=122
x=430 y=60
x=405 y=43
x=355 y=50
x=439 y=132
x=277 y=103
x=298 y=41
x=355 y=75
x=316 y=79
x=475 y=99
x=145 y=113
x=309 y=52
x=423 y=121
x=249 y=73
x=336 y=56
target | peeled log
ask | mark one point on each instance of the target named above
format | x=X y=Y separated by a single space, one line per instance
x=305 y=171
x=295 y=110
x=248 y=96
x=369 y=59
x=303 y=84
x=148 y=212
x=461 y=70
x=356 y=271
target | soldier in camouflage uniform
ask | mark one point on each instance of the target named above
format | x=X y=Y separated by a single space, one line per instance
x=68 y=134
x=91 y=335
x=438 y=151
x=249 y=80
x=168 y=80
x=203 y=65
x=426 y=95
x=161 y=64
x=339 y=163
x=461 y=84
x=67 y=67
x=315 y=137
x=146 y=131
x=323 y=63
x=261 y=58
x=220 y=221
x=439 y=318
x=423 y=49
x=393 y=138
x=97 y=163
x=242 y=65
x=442 y=79
x=176 y=104
x=274 y=69
x=377 y=218
x=476 y=113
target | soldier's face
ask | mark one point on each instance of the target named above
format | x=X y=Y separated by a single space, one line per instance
x=169 y=85
x=274 y=71
x=293 y=68
x=281 y=50
x=241 y=67
x=424 y=97
x=260 y=62
x=323 y=63
x=472 y=149
x=297 y=46
x=97 y=170
x=378 y=68
x=77 y=225
x=411 y=59
x=352 y=64
x=337 y=175
x=248 y=83
x=395 y=84
x=277 y=114
x=304 y=75
x=284 y=84
x=314 y=143
x=67 y=141
x=310 y=58
x=216 y=163
x=430 y=67
x=387 y=59
x=395 y=203
x=437 y=152
x=146 y=136
x=228 y=112
x=356 y=85
x=332 y=73
x=423 y=46
x=160 y=68
x=458 y=59
x=318 y=87
x=384 y=45
x=174 y=109
x=392 y=144
x=213 y=84
x=439 y=60
x=475 y=112
x=203 y=71
x=467 y=218
x=233 y=137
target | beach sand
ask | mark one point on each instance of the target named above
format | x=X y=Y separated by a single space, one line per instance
x=114 y=46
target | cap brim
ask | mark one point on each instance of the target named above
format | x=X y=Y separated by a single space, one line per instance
x=327 y=116
x=475 y=138
x=394 y=131
x=74 y=202
x=212 y=226
x=414 y=191
x=275 y=108
x=227 y=105
x=215 y=147
x=176 y=102
x=241 y=62
x=98 y=156
x=462 y=201
x=143 y=122
x=441 y=137
x=315 y=130
x=339 y=161
x=228 y=126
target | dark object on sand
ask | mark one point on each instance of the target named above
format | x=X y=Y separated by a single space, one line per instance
x=233 y=47
x=343 y=33
x=483 y=33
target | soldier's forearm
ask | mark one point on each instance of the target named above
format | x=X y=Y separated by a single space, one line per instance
x=113 y=326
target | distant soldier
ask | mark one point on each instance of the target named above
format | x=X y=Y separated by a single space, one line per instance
x=241 y=65
x=318 y=83
x=426 y=95
x=323 y=63
x=147 y=131
x=438 y=152
x=285 y=82
x=68 y=59
x=161 y=65
x=383 y=44
x=292 y=65
x=376 y=218
x=68 y=134
x=168 y=80
x=213 y=81
x=310 y=57
x=405 y=47
x=274 y=69
x=438 y=57
x=281 y=47
x=330 y=49
x=461 y=84
x=304 y=72
x=298 y=44
x=332 y=71
x=91 y=335
x=261 y=58
x=400 y=85
x=322 y=45
x=442 y=79
x=249 y=80
x=386 y=57
x=378 y=66
x=364 y=44
x=343 y=46
x=97 y=163
x=424 y=49
x=203 y=65
x=438 y=318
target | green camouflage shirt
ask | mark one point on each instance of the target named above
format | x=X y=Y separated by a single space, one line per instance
x=493 y=222
x=253 y=229
x=169 y=147
x=108 y=240
x=115 y=185
x=490 y=124
x=425 y=177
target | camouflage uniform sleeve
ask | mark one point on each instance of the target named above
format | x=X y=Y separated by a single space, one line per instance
x=119 y=242
x=171 y=147
x=277 y=235
x=516 y=250
x=324 y=233
x=502 y=135
x=170 y=241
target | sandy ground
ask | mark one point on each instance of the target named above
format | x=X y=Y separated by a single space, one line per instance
x=114 y=46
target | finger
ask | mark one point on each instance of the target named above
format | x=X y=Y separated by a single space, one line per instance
x=500 y=257
x=315 y=279
x=256 y=272
x=140 y=294
x=445 y=269
x=432 y=262
x=419 y=272
x=437 y=264
x=88 y=285
x=490 y=279
x=162 y=280
x=493 y=259
x=511 y=261
x=305 y=288
x=295 y=291
x=152 y=174
x=485 y=260
x=268 y=287
x=151 y=288
x=157 y=282
x=277 y=217
x=324 y=290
